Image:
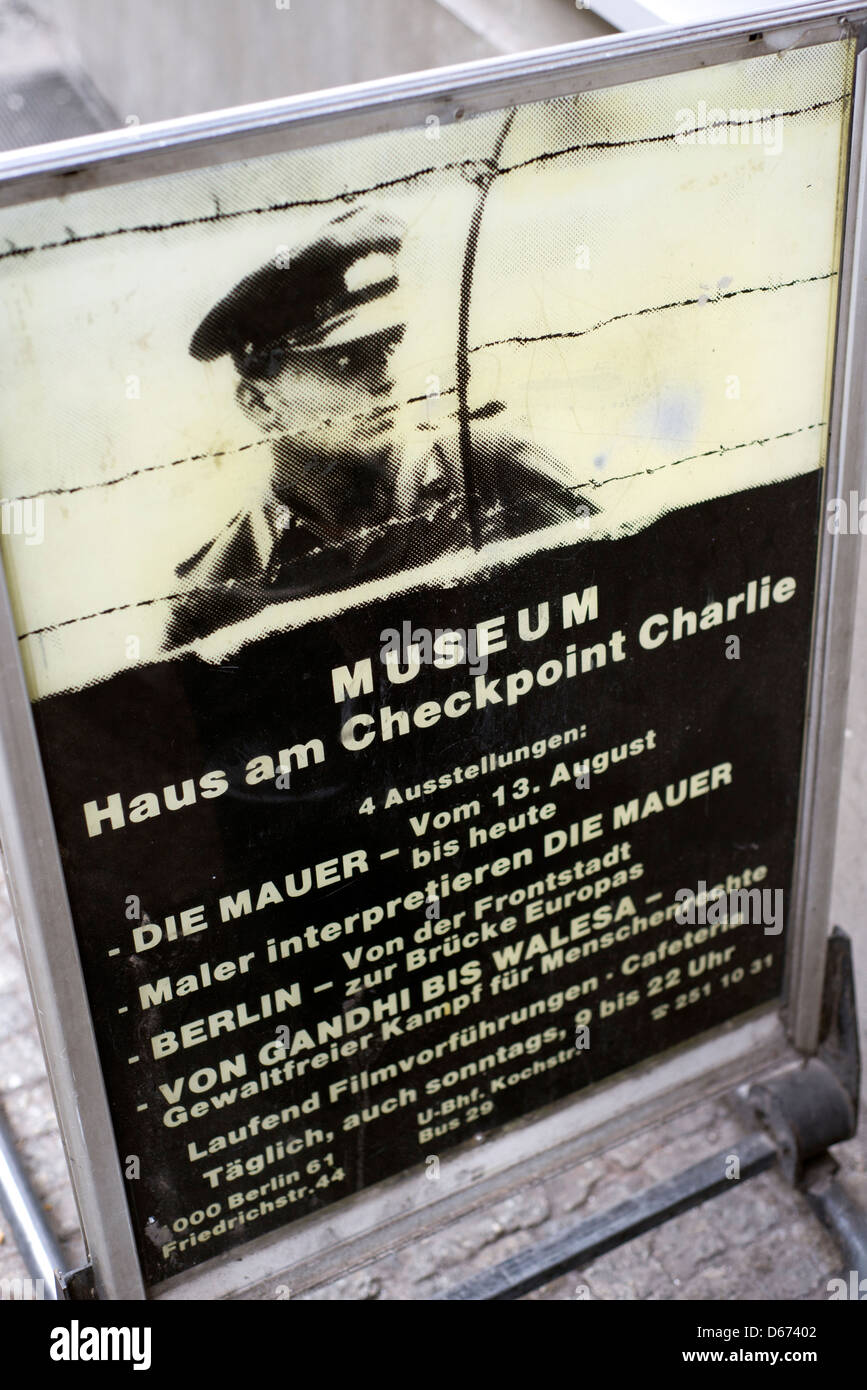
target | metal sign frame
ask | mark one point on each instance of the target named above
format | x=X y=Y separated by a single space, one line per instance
x=400 y=1209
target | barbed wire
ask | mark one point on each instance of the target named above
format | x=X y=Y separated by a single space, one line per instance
x=350 y=195
x=381 y=527
x=520 y=340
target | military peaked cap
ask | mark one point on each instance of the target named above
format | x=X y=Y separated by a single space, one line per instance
x=334 y=288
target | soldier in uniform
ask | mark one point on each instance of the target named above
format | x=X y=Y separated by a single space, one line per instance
x=311 y=335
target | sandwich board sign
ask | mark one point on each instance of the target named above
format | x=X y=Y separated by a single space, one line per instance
x=424 y=647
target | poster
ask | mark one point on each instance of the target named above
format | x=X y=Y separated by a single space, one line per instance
x=412 y=542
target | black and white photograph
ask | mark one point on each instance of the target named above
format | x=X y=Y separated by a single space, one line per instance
x=358 y=369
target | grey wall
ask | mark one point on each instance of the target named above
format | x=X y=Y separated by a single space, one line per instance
x=156 y=59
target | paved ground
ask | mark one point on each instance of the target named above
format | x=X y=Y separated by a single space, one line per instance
x=26 y=1100
x=758 y=1242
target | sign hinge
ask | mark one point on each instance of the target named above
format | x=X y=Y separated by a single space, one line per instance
x=76 y=1285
